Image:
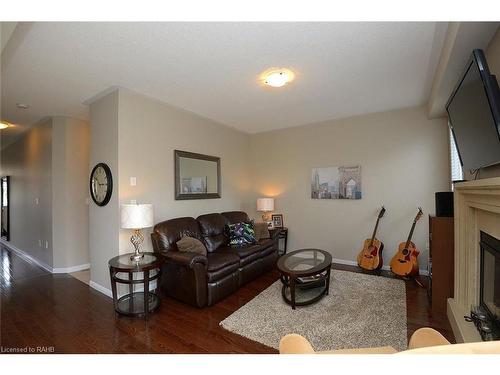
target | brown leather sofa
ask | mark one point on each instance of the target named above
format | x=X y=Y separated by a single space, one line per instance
x=204 y=280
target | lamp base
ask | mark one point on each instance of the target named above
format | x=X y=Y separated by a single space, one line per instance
x=136 y=240
x=136 y=257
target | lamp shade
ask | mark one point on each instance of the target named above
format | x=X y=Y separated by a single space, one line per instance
x=136 y=216
x=265 y=204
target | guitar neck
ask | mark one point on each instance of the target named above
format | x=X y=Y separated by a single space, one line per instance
x=374 y=231
x=410 y=235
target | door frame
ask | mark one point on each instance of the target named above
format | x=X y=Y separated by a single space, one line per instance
x=8 y=205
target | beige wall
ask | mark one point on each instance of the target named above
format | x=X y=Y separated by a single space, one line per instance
x=404 y=161
x=50 y=163
x=104 y=223
x=149 y=132
x=29 y=163
x=70 y=155
x=136 y=136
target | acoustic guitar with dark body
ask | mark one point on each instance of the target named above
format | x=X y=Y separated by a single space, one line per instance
x=370 y=258
x=405 y=261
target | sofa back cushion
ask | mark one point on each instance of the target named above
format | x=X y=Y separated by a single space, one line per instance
x=191 y=245
x=167 y=233
x=213 y=231
x=233 y=217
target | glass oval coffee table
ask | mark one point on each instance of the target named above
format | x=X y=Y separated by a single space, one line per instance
x=305 y=275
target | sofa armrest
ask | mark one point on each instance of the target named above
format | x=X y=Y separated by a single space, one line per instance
x=425 y=337
x=295 y=344
x=185 y=258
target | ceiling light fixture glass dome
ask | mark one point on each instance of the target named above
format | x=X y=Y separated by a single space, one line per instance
x=278 y=77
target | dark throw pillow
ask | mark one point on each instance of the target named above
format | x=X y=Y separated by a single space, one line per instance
x=191 y=245
x=241 y=234
x=261 y=231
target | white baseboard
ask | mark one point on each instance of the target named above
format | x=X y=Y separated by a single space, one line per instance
x=100 y=288
x=27 y=257
x=109 y=293
x=385 y=268
x=71 y=269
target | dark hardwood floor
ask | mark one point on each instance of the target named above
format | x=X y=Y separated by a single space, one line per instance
x=39 y=309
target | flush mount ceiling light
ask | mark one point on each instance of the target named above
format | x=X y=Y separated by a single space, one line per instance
x=277 y=77
x=22 y=106
x=4 y=125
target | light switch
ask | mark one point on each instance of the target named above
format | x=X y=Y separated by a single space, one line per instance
x=46 y=244
x=39 y=243
x=37 y=201
x=133 y=181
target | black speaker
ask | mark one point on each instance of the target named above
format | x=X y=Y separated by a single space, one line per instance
x=444 y=204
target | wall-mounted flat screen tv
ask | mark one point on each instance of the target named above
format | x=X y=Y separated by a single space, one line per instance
x=474 y=115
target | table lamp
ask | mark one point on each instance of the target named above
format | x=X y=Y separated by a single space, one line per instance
x=265 y=205
x=136 y=217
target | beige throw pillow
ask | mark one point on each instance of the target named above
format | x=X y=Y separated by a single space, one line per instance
x=191 y=245
x=261 y=231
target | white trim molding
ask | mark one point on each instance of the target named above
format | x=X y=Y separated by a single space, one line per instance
x=24 y=255
x=385 y=268
x=30 y=259
x=100 y=288
x=121 y=293
x=71 y=269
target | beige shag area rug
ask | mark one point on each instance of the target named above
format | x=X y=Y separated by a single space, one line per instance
x=361 y=311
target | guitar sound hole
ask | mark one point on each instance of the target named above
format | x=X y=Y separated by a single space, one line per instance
x=405 y=252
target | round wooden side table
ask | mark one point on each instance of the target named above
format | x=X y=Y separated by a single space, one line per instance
x=134 y=303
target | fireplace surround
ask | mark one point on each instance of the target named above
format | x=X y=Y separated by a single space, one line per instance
x=477 y=209
x=489 y=291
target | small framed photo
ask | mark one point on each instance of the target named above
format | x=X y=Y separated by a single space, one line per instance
x=270 y=225
x=277 y=220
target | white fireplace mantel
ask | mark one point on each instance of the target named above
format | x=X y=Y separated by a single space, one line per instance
x=477 y=207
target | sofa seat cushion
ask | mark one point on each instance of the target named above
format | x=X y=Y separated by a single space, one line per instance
x=221 y=264
x=267 y=250
x=267 y=247
x=220 y=260
x=246 y=254
x=264 y=243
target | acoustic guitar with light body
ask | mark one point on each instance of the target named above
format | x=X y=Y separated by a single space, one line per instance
x=370 y=258
x=405 y=261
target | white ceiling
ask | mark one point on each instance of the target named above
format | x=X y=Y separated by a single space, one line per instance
x=212 y=69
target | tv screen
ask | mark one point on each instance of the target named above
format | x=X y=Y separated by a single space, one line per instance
x=473 y=111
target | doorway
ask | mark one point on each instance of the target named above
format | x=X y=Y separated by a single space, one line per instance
x=4 y=203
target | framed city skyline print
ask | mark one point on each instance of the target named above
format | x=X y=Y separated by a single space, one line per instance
x=336 y=183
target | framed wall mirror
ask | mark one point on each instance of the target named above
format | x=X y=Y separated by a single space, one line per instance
x=197 y=176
